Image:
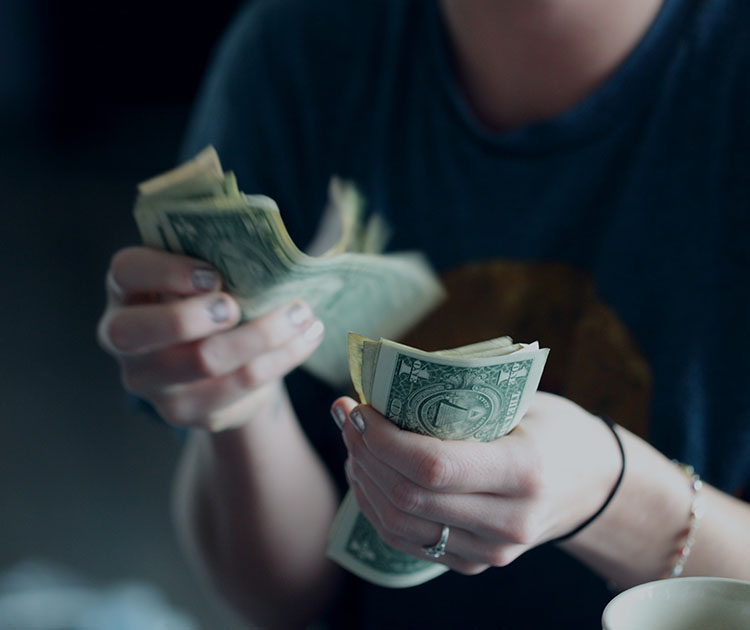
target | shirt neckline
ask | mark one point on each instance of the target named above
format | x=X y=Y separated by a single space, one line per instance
x=627 y=90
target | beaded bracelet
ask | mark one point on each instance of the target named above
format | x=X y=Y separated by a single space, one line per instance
x=593 y=517
x=696 y=512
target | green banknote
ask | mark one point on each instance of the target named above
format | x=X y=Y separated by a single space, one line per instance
x=198 y=210
x=478 y=392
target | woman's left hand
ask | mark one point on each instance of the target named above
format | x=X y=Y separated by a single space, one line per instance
x=499 y=498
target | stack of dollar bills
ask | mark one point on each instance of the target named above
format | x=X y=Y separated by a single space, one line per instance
x=478 y=392
x=198 y=210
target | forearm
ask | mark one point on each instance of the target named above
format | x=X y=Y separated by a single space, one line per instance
x=253 y=507
x=636 y=539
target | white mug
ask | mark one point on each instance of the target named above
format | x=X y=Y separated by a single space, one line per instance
x=685 y=603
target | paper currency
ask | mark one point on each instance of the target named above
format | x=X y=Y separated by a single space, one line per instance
x=198 y=210
x=478 y=392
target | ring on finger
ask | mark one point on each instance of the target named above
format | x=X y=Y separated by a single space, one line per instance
x=438 y=549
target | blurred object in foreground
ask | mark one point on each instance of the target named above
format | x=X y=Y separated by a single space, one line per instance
x=35 y=595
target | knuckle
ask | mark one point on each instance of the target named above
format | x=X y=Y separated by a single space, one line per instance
x=120 y=261
x=205 y=360
x=174 y=322
x=267 y=330
x=171 y=411
x=175 y=411
x=130 y=380
x=251 y=374
x=499 y=557
x=355 y=469
x=282 y=360
x=351 y=478
x=102 y=333
x=355 y=451
x=118 y=333
x=531 y=475
x=294 y=353
x=392 y=523
x=405 y=496
x=213 y=420
x=392 y=537
x=435 y=470
x=522 y=530
x=470 y=568
x=365 y=507
x=395 y=524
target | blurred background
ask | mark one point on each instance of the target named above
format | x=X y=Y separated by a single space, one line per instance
x=93 y=99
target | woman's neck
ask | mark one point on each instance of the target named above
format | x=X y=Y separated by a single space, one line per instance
x=521 y=61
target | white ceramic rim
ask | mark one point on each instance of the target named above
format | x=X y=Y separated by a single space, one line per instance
x=634 y=589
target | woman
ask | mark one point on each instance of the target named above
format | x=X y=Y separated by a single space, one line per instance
x=577 y=173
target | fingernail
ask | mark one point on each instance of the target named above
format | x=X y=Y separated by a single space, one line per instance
x=218 y=310
x=204 y=279
x=314 y=331
x=298 y=313
x=357 y=420
x=339 y=416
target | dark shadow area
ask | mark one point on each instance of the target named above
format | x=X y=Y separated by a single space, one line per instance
x=93 y=99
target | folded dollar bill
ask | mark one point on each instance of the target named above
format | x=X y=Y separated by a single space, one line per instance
x=197 y=209
x=478 y=392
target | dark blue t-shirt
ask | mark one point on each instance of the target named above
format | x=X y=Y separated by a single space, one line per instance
x=615 y=234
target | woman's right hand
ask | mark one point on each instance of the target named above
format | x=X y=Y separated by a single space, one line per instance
x=175 y=335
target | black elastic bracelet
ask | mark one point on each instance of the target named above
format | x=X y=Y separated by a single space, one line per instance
x=611 y=496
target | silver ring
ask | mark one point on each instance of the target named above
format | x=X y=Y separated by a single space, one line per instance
x=438 y=549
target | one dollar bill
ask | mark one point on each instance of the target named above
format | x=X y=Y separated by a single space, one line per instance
x=198 y=210
x=478 y=392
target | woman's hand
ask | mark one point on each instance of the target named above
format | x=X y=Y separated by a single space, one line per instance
x=499 y=498
x=175 y=335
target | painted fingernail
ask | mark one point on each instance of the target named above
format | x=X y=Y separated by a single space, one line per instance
x=357 y=420
x=314 y=331
x=298 y=313
x=204 y=279
x=339 y=416
x=218 y=310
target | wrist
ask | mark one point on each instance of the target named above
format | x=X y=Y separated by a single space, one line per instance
x=614 y=488
x=636 y=539
x=686 y=537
